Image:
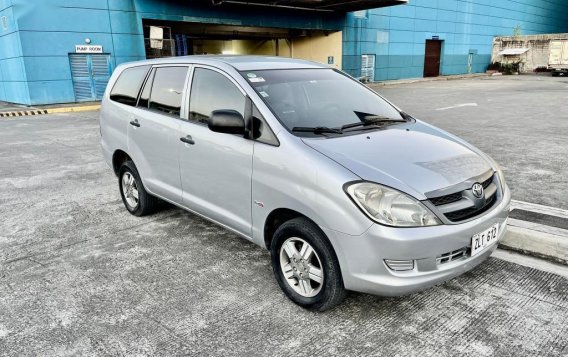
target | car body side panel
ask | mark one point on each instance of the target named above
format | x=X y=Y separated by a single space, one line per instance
x=289 y=176
x=113 y=121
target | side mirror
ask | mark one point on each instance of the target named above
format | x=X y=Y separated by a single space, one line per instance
x=227 y=121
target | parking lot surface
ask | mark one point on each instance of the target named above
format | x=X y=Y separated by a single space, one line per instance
x=80 y=276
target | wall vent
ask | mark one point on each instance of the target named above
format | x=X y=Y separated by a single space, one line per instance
x=4 y=23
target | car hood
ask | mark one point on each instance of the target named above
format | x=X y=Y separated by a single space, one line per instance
x=415 y=158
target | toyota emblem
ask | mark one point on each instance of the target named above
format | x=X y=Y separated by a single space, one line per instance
x=477 y=190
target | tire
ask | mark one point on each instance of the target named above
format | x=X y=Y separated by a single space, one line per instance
x=145 y=203
x=322 y=296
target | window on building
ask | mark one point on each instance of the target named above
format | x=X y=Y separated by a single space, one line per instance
x=127 y=86
x=167 y=89
x=211 y=91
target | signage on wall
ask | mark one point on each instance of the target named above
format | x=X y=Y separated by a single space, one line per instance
x=88 y=49
x=435 y=37
x=329 y=59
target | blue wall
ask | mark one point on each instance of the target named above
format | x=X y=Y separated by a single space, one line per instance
x=397 y=35
x=13 y=83
x=40 y=34
x=34 y=50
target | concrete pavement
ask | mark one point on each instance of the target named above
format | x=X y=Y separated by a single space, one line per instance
x=80 y=276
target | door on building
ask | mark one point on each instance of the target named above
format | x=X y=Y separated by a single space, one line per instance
x=90 y=73
x=432 y=58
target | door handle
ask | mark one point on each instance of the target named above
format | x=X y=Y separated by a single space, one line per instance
x=135 y=123
x=187 y=139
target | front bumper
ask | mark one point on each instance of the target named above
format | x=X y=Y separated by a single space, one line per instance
x=362 y=257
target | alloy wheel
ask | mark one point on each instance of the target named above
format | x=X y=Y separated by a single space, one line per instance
x=130 y=190
x=301 y=267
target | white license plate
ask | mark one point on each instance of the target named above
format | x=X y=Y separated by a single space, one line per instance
x=484 y=239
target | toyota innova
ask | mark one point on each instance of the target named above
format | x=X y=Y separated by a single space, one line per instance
x=345 y=190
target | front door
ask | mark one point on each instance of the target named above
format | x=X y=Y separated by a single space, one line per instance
x=90 y=74
x=432 y=58
x=216 y=168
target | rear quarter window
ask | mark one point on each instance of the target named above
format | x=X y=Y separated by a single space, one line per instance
x=128 y=84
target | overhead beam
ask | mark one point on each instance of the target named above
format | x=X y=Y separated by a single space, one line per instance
x=315 y=5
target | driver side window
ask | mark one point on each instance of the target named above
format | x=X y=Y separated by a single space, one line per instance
x=211 y=91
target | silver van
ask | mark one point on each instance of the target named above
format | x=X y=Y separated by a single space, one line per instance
x=347 y=191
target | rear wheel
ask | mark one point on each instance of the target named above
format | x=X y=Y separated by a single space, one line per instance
x=305 y=265
x=134 y=196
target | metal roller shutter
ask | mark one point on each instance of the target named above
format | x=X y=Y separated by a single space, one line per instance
x=90 y=73
x=100 y=69
x=81 y=77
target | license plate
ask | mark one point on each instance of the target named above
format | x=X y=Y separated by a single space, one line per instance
x=484 y=239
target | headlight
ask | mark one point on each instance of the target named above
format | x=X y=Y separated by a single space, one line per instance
x=390 y=207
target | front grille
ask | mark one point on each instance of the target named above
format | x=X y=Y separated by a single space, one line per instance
x=470 y=212
x=459 y=206
x=452 y=256
x=444 y=200
x=487 y=182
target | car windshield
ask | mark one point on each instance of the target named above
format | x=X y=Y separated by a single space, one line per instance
x=319 y=99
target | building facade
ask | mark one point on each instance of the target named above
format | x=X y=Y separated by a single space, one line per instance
x=531 y=52
x=57 y=51
x=465 y=29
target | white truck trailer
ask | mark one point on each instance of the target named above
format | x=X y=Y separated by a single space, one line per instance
x=558 y=60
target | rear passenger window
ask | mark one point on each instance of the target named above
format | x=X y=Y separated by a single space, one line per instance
x=127 y=86
x=211 y=91
x=167 y=88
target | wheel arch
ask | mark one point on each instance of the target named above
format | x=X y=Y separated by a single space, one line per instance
x=118 y=158
x=278 y=217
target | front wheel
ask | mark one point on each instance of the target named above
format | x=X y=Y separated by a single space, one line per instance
x=305 y=265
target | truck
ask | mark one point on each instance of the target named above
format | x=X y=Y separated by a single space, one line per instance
x=558 y=60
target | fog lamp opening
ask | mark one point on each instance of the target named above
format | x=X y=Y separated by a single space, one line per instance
x=400 y=265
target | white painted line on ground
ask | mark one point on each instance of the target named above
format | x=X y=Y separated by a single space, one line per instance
x=537 y=227
x=533 y=207
x=459 y=106
x=531 y=262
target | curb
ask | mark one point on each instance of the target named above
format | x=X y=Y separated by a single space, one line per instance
x=427 y=79
x=536 y=239
x=33 y=112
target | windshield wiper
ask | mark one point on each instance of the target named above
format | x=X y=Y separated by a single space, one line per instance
x=317 y=130
x=367 y=120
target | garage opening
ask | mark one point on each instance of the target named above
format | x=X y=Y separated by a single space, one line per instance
x=176 y=38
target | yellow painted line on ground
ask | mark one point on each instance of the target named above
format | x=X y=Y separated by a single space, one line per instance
x=83 y=108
